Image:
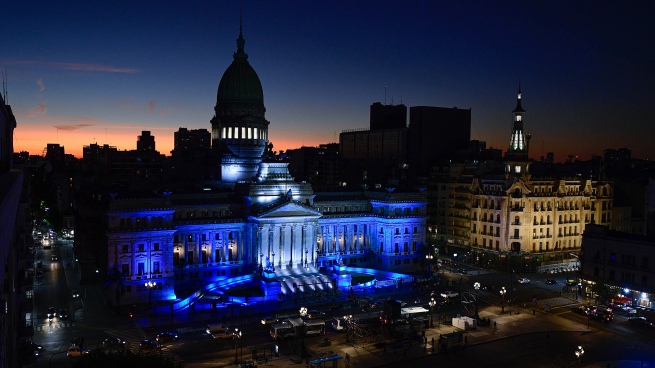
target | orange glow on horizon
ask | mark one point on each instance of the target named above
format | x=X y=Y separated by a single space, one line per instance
x=35 y=137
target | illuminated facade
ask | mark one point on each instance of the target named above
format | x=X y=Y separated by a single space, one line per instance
x=258 y=218
x=499 y=215
x=617 y=266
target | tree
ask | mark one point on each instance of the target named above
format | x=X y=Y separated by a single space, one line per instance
x=100 y=358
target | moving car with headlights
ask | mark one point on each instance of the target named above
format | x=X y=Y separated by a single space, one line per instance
x=523 y=280
x=75 y=294
x=63 y=313
x=269 y=320
x=52 y=312
x=113 y=342
x=449 y=294
x=551 y=282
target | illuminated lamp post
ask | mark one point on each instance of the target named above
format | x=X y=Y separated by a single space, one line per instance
x=502 y=294
x=432 y=303
x=476 y=286
x=579 y=353
x=150 y=285
x=237 y=337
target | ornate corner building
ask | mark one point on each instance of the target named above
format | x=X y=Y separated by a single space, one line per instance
x=501 y=215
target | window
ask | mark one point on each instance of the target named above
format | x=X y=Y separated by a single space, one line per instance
x=141 y=268
x=142 y=248
x=155 y=247
x=155 y=267
x=126 y=248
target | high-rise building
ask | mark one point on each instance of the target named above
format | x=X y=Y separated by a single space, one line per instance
x=436 y=133
x=388 y=116
x=145 y=142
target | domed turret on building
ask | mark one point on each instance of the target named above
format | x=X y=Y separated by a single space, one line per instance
x=239 y=126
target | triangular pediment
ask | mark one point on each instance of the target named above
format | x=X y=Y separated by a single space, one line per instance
x=290 y=209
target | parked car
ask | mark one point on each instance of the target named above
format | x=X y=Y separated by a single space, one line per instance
x=601 y=316
x=315 y=313
x=63 y=313
x=640 y=321
x=551 y=282
x=165 y=337
x=523 y=280
x=579 y=310
x=449 y=294
x=148 y=345
x=269 y=320
x=75 y=351
x=28 y=347
x=113 y=342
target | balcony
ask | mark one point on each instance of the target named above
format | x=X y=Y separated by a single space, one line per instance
x=516 y=209
x=516 y=237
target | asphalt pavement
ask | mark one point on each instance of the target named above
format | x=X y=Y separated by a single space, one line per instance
x=532 y=320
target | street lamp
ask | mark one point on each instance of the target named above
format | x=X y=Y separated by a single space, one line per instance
x=432 y=303
x=237 y=337
x=150 y=285
x=476 y=286
x=579 y=353
x=502 y=294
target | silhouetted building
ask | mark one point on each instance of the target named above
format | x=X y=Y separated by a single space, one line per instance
x=316 y=165
x=388 y=116
x=55 y=153
x=188 y=142
x=15 y=247
x=436 y=133
x=145 y=142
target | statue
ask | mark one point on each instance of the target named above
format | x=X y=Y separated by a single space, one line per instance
x=269 y=266
x=339 y=261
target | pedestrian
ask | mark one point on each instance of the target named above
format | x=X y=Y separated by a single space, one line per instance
x=265 y=360
x=494 y=325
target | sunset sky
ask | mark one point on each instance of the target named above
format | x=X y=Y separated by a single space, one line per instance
x=82 y=72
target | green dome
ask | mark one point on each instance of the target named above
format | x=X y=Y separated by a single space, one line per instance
x=240 y=88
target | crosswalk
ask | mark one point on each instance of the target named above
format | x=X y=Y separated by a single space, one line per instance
x=132 y=338
x=53 y=326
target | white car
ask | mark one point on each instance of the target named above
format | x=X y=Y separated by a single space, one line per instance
x=449 y=294
x=523 y=280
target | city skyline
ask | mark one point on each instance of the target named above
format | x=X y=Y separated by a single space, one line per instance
x=83 y=72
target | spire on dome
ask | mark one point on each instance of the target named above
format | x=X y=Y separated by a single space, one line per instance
x=518 y=108
x=240 y=54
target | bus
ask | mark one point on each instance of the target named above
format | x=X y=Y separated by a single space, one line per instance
x=314 y=328
x=282 y=330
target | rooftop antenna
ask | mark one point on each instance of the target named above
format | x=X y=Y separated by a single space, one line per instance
x=4 y=86
x=385 y=95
